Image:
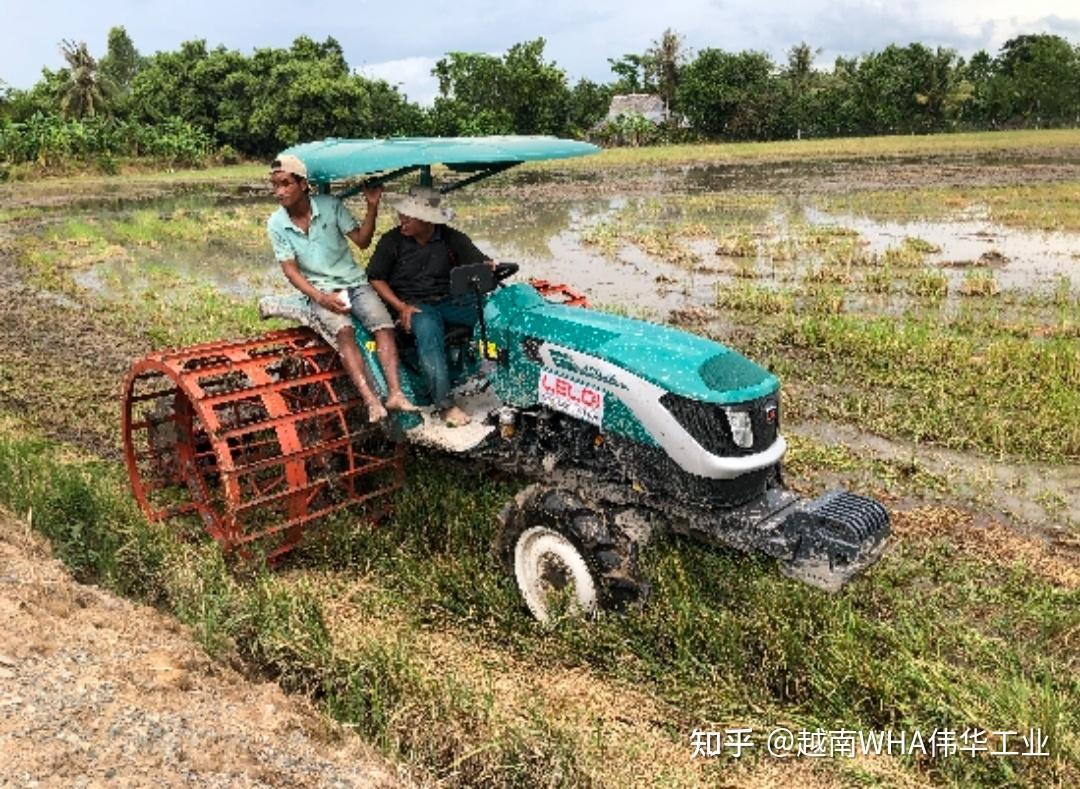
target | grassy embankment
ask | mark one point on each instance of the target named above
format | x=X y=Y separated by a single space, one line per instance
x=414 y=635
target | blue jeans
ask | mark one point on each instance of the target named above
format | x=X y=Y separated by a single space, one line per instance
x=429 y=328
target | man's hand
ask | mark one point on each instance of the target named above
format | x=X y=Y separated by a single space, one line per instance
x=373 y=194
x=405 y=316
x=332 y=302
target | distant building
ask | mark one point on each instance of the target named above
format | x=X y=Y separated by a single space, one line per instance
x=647 y=105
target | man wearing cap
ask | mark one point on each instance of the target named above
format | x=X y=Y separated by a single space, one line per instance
x=410 y=269
x=308 y=233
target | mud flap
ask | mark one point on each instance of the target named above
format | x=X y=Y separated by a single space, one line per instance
x=835 y=536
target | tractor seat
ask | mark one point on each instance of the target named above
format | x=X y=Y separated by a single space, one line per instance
x=454 y=335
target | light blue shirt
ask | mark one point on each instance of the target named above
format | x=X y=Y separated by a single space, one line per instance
x=322 y=253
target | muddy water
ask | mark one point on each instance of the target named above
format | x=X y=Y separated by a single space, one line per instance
x=1027 y=260
x=552 y=249
x=540 y=218
x=237 y=273
x=545 y=237
x=548 y=243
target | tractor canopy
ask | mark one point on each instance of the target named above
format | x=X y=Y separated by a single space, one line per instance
x=381 y=160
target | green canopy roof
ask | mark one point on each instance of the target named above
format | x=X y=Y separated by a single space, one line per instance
x=338 y=159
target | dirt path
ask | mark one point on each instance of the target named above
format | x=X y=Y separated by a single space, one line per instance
x=97 y=691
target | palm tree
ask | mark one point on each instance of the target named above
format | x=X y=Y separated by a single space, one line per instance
x=85 y=91
x=663 y=63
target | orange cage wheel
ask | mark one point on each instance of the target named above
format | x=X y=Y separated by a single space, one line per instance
x=254 y=440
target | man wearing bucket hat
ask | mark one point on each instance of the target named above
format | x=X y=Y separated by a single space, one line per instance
x=410 y=269
x=308 y=233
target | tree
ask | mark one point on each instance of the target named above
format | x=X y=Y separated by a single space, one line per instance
x=518 y=93
x=472 y=100
x=328 y=52
x=802 y=83
x=631 y=73
x=589 y=104
x=663 y=63
x=85 y=91
x=910 y=89
x=538 y=93
x=121 y=61
x=729 y=95
x=983 y=107
x=1039 y=76
x=836 y=104
x=189 y=83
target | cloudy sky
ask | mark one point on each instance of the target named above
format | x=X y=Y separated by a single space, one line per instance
x=400 y=41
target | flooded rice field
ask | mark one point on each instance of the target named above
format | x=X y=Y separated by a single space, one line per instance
x=923 y=315
x=772 y=258
x=551 y=241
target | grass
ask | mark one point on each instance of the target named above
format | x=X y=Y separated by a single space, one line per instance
x=413 y=633
x=836 y=148
x=1049 y=206
x=926 y=381
x=979 y=283
x=431 y=657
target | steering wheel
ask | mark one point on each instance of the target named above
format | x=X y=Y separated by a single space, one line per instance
x=505 y=271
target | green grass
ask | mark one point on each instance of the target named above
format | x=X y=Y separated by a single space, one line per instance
x=750 y=298
x=1044 y=206
x=928 y=381
x=837 y=148
x=724 y=638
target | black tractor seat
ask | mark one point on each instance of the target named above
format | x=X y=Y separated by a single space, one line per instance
x=454 y=334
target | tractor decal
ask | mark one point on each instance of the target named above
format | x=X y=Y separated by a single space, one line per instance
x=570 y=397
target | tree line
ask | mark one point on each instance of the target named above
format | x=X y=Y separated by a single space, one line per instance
x=185 y=103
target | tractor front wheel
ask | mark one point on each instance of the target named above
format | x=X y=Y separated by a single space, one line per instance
x=568 y=558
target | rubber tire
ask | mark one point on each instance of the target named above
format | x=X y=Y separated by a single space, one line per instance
x=541 y=553
x=554 y=525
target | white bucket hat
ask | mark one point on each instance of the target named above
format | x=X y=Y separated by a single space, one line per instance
x=425 y=204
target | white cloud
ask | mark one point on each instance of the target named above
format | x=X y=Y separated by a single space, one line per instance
x=401 y=44
x=411 y=75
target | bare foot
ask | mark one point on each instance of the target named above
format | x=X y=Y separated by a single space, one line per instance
x=376 y=412
x=455 y=417
x=399 y=402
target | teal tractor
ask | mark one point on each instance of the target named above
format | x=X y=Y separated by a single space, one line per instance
x=627 y=428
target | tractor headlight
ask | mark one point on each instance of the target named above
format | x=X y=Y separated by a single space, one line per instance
x=742 y=431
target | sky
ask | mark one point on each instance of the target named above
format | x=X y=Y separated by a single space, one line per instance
x=400 y=43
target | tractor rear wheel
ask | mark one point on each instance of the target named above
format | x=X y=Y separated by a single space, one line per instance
x=568 y=557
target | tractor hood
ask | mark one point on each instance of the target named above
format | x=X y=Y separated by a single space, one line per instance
x=677 y=361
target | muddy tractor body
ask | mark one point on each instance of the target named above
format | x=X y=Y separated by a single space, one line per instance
x=627 y=428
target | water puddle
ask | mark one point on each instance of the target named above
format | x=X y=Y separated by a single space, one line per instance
x=1042 y=495
x=545 y=236
x=241 y=274
x=546 y=240
x=1020 y=260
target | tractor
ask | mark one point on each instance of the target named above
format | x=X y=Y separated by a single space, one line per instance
x=627 y=429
